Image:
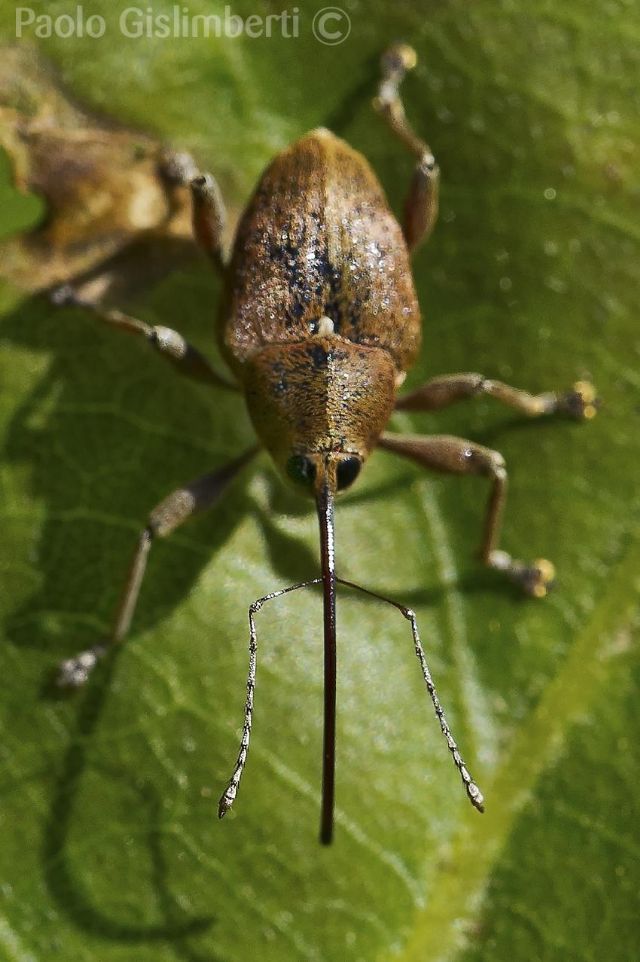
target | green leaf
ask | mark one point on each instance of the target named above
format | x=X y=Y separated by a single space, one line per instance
x=111 y=848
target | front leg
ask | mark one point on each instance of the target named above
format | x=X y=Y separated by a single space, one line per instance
x=173 y=511
x=441 y=452
x=580 y=402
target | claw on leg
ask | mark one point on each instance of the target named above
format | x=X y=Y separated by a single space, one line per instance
x=74 y=672
x=535 y=578
x=394 y=62
x=581 y=402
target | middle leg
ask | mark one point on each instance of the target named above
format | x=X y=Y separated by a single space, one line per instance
x=169 y=343
x=441 y=452
x=579 y=402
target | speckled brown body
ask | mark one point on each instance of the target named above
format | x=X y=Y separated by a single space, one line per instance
x=318 y=240
x=319 y=324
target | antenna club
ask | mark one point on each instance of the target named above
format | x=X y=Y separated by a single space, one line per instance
x=475 y=796
x=226 y=801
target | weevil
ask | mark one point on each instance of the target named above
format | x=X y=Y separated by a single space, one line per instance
x=319 y=324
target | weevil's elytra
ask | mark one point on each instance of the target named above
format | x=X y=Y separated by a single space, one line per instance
x=319 y=324
x=328 y=245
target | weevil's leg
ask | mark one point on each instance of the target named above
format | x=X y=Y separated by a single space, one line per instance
x=209 y=218
x=173 y=511
x=441 y=452
x=580 y=402
x=169 y=343
x=421 y=204
x=178 y=167
x=207 y=206
x=228 y=797
x=474 y=793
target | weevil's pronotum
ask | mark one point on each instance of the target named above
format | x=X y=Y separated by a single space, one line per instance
x=319 y=325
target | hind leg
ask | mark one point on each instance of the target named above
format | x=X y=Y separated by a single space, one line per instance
x=421 y=205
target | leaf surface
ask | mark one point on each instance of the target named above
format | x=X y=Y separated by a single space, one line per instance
x=111 y=846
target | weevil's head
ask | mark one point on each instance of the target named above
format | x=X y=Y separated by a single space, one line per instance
x=319 y=407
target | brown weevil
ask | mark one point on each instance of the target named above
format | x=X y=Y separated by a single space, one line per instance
x=319 y=324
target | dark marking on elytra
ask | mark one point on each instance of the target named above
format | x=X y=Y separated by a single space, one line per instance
x=320 y=358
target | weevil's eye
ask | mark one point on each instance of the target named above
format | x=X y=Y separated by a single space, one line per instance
x=347 y=471
x=301 y=470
